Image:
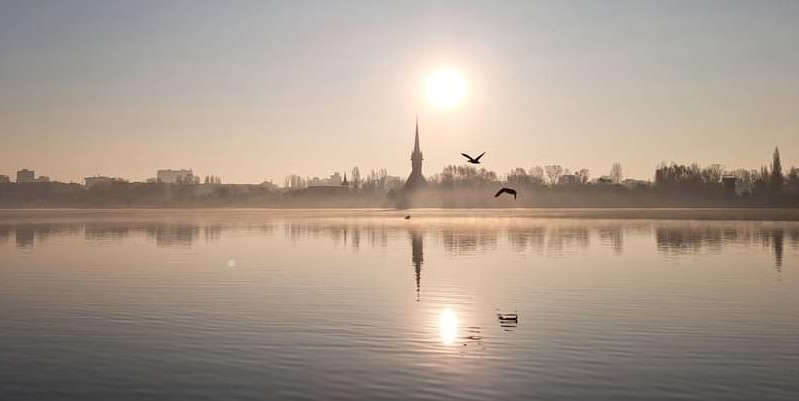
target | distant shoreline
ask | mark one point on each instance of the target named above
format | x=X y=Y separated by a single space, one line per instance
x=735 y=214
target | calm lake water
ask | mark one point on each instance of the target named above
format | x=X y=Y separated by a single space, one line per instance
x=267 y=305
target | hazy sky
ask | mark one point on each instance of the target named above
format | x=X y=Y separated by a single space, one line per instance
x=251 y=90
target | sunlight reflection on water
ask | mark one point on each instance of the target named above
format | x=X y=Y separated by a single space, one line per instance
x=448 y=326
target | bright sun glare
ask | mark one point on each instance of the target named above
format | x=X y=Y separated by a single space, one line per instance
x=445 y=88
x=448 y=325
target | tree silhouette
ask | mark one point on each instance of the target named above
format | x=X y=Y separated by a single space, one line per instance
x=518 y=176
x=762 y=179
x=776 y=172
x=582 y=176
x=294 y=181
x=356 y=177
x=712 y=174
x=793 y=180
x=615 y=173
x=553 y=173
x=743 y=179
x=537 y=175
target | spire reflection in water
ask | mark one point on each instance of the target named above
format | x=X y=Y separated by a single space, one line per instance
x=417 y=257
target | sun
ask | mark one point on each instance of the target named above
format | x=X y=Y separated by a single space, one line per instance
x=445 y=88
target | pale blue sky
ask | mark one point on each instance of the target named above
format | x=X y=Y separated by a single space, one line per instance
x=250 y=90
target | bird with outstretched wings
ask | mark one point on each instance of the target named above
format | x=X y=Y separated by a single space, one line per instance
x=473 y=160
x=504 y=190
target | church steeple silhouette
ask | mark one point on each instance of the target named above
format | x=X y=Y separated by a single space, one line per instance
x=416 y=179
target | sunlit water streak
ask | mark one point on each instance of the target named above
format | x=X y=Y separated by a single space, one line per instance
x=365 y=305
x=449 y=326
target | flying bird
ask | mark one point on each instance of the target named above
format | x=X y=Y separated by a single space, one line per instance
x=408 y=217
x=473 y=160
x=509 y=191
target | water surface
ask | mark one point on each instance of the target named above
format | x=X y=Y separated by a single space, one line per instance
x=238 y=304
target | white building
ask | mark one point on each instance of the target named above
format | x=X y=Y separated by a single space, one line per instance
x=333 y=181
x=175 y=176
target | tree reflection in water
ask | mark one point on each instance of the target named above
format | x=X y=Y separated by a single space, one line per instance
x=546 y=237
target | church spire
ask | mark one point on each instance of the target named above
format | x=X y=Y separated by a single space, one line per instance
x=416 y=140
x=416 y=179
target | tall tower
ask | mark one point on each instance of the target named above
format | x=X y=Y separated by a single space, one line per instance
x=416 y=179
x=416 y=156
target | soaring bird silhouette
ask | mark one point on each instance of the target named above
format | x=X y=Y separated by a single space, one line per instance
x=408 y=217
x=509 y=191
x=473 y=160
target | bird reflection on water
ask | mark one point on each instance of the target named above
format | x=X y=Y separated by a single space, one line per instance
x=508 y=321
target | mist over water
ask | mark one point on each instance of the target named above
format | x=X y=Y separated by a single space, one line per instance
x=243 y=304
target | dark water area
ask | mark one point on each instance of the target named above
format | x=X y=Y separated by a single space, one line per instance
x=363 y=304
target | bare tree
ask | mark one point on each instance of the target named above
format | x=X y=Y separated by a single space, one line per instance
x=356 y=177
x=712 y=174
x=518 y=176
x=582 y=176
x=293 y=181
x=615 y=173
x=743 y=179
x=537 y=175
x=465 y=176
x=554 y=172
x=485 y=176
x=792 y=180
x=762 y=178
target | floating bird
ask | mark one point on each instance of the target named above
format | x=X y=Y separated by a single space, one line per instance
x=508 y=317
x=473 y=160
x=504 y=190
x=408 y=217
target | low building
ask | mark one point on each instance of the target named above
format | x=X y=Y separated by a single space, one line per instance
x=4 y=179
x=181 y=176
x=42 y=178
x=333 y=181
x=26 y=175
